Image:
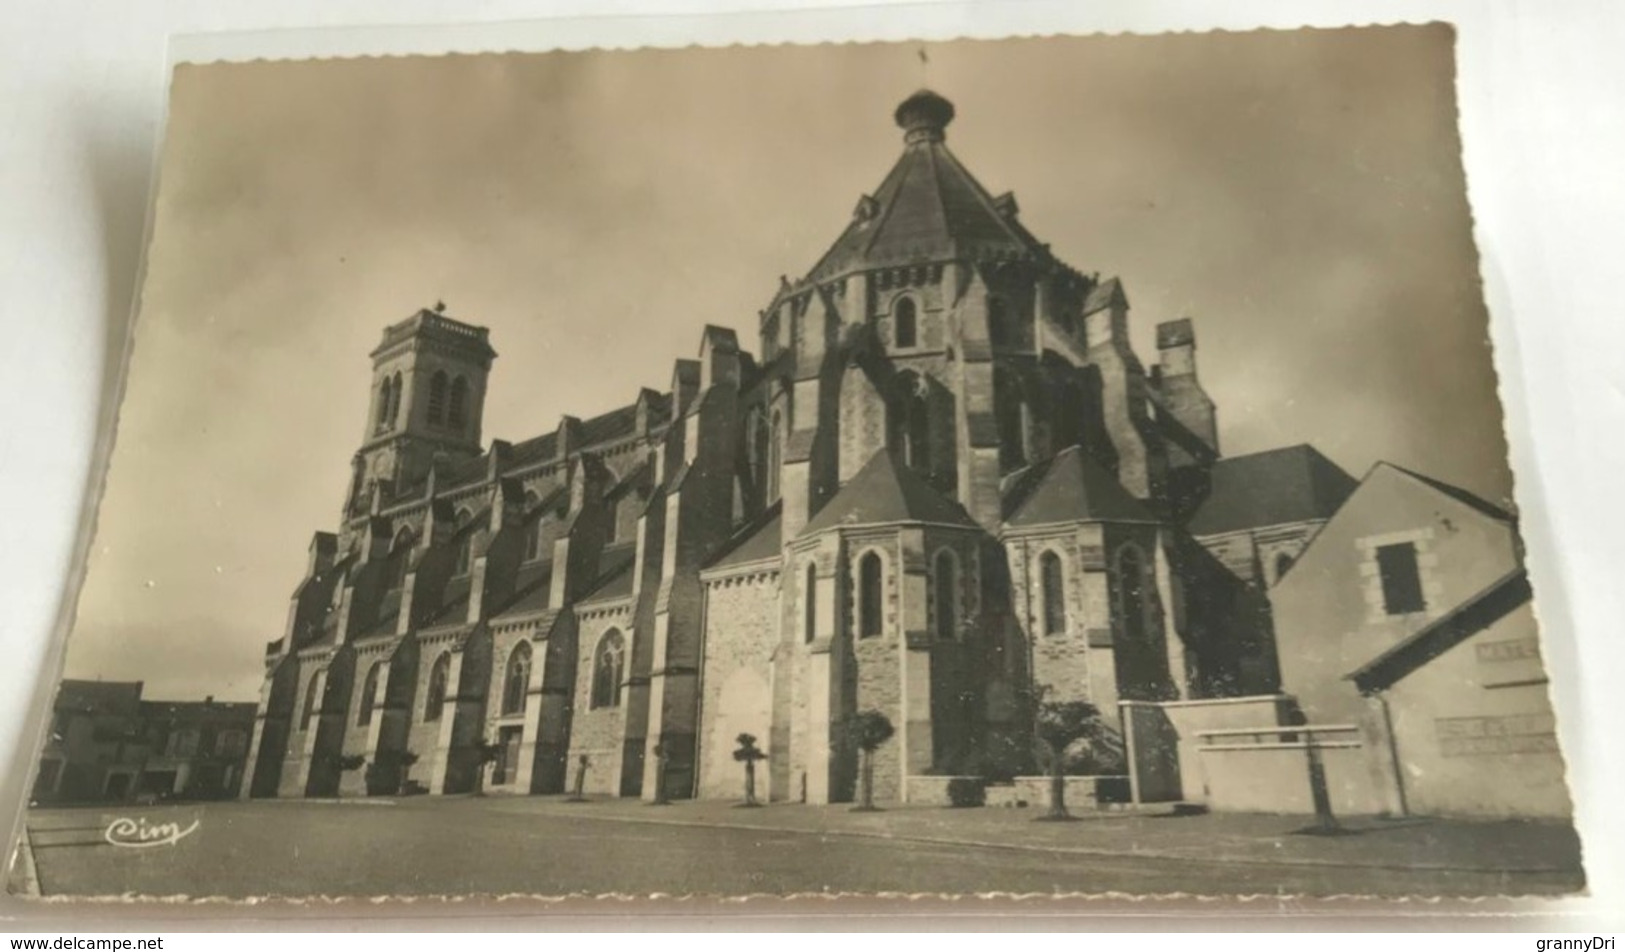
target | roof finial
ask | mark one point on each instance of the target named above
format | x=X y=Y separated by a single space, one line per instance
x=923 y=116
x=440 y=307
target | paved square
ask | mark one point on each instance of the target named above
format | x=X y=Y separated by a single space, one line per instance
x=501 y=846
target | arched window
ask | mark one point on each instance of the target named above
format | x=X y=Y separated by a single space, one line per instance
x=1069 y=411
x=395 y=399
x=1054 y=593
x=905 y=323
x=998 y=322
x=369 y=691
x=916 y=423
x=516 y=682
x=385 y=401
x=1283 y=562
x=437 y=398
x=760 y=439
x=458 y=414
x=1007 y=412
x=533 y=529
x=465 y=544
x=434 y=699
x=608 y=663
x=809 y=604
x=946 y=577
x=400 y=557
x=870 y=595
x=775 y=443
x=1131 y=589
x=311 y=700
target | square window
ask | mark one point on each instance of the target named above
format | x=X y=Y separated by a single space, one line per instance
x=1401 y=579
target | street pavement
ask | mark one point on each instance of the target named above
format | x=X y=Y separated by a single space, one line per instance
x=496 y=846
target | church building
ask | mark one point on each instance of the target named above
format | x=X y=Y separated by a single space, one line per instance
x=943 y=484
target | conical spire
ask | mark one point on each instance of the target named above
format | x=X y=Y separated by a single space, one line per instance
x=928 y=208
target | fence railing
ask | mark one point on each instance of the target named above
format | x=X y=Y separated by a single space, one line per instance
x=1281 y=737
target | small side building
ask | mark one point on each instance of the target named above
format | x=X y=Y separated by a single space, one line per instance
x=1409 y=616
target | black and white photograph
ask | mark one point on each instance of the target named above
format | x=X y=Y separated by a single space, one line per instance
x=1055 y=466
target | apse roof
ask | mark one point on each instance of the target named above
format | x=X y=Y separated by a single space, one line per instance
x=1071 y=487
x=886 y=491
x=758 y=540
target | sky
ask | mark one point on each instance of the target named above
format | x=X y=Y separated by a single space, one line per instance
x=1299 y=194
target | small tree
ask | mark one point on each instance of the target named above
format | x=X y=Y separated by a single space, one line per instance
x=387 y=773
x=867 y=731
x=406 y=759
x=748 y=754
x=576 y=795
x=344 y=763
x=1058 y=725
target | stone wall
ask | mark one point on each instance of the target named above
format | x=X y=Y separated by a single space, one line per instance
x=423 y=735
x=741 y=634
x=599 y=733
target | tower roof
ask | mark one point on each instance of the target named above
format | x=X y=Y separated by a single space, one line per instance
x=928 y=208
x=1072 y=487
x=886 y=491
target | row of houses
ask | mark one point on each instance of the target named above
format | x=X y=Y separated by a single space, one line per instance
x=106 y=743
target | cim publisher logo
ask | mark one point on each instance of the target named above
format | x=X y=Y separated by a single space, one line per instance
x=139 y=834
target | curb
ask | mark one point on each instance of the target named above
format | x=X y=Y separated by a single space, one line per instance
x=23 y=878
x=1075 y=850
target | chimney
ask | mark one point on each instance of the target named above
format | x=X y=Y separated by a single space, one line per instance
x=1182 y=392
x=1176 y=348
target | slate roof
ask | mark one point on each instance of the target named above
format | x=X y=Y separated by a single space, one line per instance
x=1292 y=484
x=532 y=589
x=928 y=208
x=453 y=602
x=886 y=491
x=389 y=613
x=1484 y=609
x=1070 y=487
x=756 y=541
x=615 y=575
x=616 y=424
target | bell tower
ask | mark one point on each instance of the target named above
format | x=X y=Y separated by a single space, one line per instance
x=428 y=398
